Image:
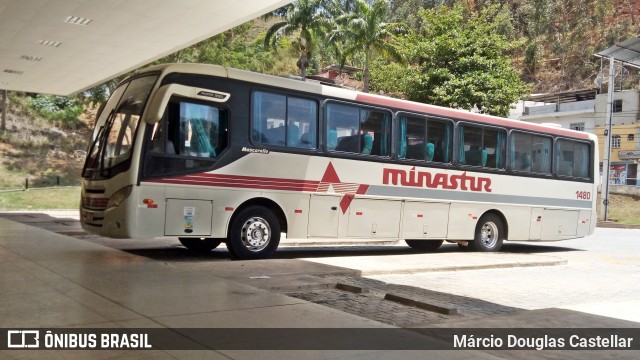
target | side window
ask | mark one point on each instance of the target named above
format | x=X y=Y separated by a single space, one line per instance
x=530 y=153
x=199 y=131
x=284 y=121
x=573 y=159
x=302 y=123
x=343 y=127
x=424 y=139
x=187 y=138
x=479 y=146
x=358 y=130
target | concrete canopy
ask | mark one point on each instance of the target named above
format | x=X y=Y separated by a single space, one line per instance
x=65 y=46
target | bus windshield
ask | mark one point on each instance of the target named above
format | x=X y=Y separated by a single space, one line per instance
x=114 y=134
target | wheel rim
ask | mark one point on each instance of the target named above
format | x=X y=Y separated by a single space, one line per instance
x=489 y=235
x=256 y=234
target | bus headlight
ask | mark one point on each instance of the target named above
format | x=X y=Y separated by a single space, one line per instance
x=120 y=196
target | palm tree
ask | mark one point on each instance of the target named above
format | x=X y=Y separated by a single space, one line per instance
x=365 y=30
x=304 y=15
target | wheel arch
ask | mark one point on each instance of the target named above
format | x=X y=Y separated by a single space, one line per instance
x=499 y=214
x=264 y=202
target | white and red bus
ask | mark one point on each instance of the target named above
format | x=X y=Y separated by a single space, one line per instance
x=211 y=154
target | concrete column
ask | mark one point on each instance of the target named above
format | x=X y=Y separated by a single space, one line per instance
x=607 y=143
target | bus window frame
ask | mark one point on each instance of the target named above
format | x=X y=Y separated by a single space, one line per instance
x=511 y=170
x=286 y=94
x=147 y=143
x=426 y=117
x=391 y=144
x=591 y=168
x=456 y=147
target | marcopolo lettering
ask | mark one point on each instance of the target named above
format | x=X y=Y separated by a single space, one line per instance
x=430 y=180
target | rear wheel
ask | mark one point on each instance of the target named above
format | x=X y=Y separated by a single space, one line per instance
x=424 y=245
x=254 y=234
x=489 y=234
x=200 y=244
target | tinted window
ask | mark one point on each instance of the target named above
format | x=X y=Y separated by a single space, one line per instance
x=572 y=159
x=284 y=121
x=424 y=139
x=189 y=137
x=530 y=153
x=480 y=146
x=358 y=130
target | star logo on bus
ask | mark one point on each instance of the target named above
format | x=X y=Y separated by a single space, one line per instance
x=331 y=184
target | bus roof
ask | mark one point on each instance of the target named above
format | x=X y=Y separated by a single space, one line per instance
x=372 y=99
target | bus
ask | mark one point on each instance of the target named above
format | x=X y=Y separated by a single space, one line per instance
x=210 y=154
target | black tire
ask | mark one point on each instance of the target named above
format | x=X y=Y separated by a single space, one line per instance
x=254 y=234
x=200 y=244
x=424 y=245
x=489 y=234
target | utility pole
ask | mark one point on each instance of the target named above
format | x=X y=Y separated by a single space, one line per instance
x=606 y=155
x=4 y=110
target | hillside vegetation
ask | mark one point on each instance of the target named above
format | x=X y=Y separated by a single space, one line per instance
x=45 y=148
x=548 y=46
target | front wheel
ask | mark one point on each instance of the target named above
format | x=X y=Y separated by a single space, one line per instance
x=200 y=244
x=424 y=245
x=489 y=234
x=254 y=234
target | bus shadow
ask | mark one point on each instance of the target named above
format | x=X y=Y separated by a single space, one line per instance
x=178 y=253
x=447 y=248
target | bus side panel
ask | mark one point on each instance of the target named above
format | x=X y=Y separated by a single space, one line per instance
x=559 y=224
x=188 y=217
x=374 y=218
x=151 y=216
x=462 y=224
x=295 y=207
x=324 y=215
x=519 y=221
x=423 y=220
x=584 y=223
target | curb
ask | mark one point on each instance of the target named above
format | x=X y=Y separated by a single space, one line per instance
x=504 y=265
x=612 y=225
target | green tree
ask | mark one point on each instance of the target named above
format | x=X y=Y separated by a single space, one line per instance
x=309 y=18
x=459 y=60
x=365 y=30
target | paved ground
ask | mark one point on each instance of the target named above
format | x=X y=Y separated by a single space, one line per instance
x=312 y=286
x=602 y=276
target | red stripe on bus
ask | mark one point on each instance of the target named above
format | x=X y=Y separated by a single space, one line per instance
x=241 y=182
x=463 y=115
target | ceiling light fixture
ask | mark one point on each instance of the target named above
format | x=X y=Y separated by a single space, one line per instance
x=49 y=43
x=30 y=58
x=76 y=20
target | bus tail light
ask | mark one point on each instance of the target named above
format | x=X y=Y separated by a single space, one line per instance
x=120 y=196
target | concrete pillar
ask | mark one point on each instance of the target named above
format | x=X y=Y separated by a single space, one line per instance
x=607 y=143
